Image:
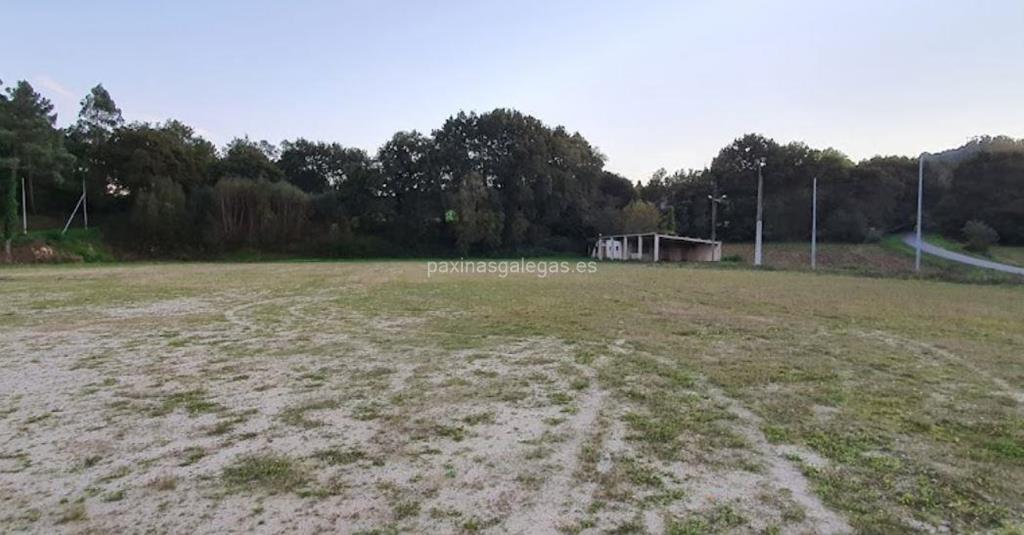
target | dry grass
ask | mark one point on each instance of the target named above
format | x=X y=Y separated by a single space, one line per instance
x=365 y=396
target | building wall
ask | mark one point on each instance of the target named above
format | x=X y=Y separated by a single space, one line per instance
x=676 y=251
x=669 y=250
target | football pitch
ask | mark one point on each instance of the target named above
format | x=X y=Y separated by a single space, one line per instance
x=369 y=397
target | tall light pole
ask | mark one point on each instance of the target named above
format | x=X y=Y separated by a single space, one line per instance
x=920 y=197
x=715 y=200
x=814 y=224
x=760 y=209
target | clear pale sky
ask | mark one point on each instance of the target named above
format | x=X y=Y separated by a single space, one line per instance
x=652 y=84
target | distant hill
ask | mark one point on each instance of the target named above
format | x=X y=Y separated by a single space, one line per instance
x=946 y=161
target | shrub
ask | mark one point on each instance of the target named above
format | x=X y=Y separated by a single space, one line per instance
x=159 y=215
x=640 y=216
x=258 y=213
x=979 y=236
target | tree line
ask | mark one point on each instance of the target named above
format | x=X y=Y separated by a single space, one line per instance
x=483 y=183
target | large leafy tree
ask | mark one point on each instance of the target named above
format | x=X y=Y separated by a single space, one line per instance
x=413 y=184
x=477 y=217
x=317 y=167
x=140 y=154
x=735 y=170
x=988 y=188
x=550 y=184
x=351 y=188
x=246 y=158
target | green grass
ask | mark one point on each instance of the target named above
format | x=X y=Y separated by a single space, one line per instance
x=269 y=472
x=1013 y=255
x=86 y=243
x=941 y=269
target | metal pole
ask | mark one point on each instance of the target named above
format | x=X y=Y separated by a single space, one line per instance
x=920 y=196
x=24 y=209
x=757 y=239
x=85 y=207
x=814 y=224
x=714 y=210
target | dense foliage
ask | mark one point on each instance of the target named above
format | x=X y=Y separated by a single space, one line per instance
x=490 y=183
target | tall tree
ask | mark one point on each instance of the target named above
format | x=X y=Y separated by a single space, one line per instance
x=245 y=158
x=411 y=181
x=315 y=166
x=478 y=216
x=87 y=140
x=37 y=146
x=139 y=154
x=988 y=188
x=8 y=182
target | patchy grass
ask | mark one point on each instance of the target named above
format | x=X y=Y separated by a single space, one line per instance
x=269 y=472
x=593 y=403
x=340 y=456
x=194 y=402
x=296 y=415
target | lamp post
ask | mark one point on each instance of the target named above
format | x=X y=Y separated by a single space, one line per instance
x=760 y=210
x=814 y=224
x=920 y=197
x=715 y=200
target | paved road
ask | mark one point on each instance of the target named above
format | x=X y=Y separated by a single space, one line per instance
x=911 y=240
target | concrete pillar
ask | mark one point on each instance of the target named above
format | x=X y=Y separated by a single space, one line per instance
x=656 y=244
x=640 y=246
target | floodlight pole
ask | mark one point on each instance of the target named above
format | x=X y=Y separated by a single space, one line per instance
x=814 y=224
x=920 y=196
x=715 y=200
x=757 y=238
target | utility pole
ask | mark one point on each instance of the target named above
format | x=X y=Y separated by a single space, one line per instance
x=715 y=200
x=814 y=224
x=920 y=196
x=760 y=208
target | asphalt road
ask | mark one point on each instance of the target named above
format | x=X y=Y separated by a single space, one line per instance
x=911 y=240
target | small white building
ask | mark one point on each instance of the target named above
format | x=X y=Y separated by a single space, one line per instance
x=655 y=247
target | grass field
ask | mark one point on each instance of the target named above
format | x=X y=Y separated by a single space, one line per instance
x=1008 y=254
x=367 y=397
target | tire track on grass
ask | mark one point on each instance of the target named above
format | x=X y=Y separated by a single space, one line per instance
x=781 y=471
x=925 y=348
x=561 y=494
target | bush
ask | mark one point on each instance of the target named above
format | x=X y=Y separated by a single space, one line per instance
x=159 y=216
x=640 y=216
x=273 y=215
x=979 y=236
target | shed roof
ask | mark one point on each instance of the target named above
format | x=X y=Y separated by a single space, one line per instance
x=660 y=236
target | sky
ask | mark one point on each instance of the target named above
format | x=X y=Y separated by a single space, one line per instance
x=652 y=84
